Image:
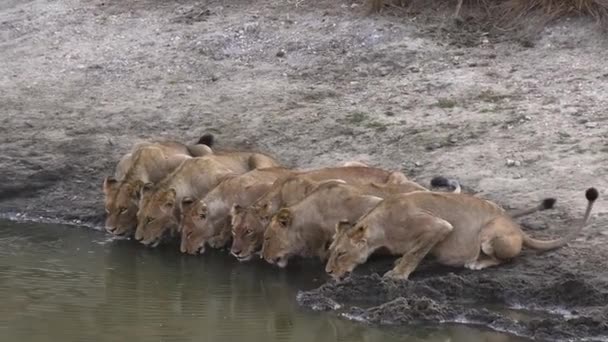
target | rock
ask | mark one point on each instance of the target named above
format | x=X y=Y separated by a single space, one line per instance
x=281 y=53
x=511 y=163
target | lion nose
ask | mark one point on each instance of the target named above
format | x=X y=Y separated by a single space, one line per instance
x=139 y=238
x=111 y=229
x=235 y=252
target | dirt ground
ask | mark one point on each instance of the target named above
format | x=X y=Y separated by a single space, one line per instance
x=314 y=83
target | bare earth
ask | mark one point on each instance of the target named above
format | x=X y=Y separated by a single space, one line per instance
x=315 y=83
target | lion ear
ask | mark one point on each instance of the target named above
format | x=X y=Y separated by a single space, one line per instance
x=343 y=226
x=170 y=198
x=140 y=189
x=358 y=234
x=235 y=210
x=284 y=217
x=108 y=184
x=186 y=203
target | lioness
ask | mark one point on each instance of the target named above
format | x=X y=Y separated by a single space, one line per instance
x=306 y=228
x=459 y=230
x=248 y=223
x=147 y=162
x=208 y=219
x=158 y=213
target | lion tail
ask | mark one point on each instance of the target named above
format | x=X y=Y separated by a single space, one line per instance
x=544 y=245
x=443 y=182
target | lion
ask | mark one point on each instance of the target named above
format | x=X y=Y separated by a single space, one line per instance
x=306 y=228
x=209 y=219
x=459 y=230
x=248 y=223
x=147 y=162
x=158 y=214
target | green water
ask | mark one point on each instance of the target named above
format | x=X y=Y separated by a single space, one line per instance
x=63 y=283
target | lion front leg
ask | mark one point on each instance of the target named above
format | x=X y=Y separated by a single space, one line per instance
x=426 y=232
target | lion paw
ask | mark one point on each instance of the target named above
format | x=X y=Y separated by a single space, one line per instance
x=392 y=274
x=473 y=265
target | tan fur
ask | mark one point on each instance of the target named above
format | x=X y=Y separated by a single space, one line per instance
x=147 y=162
x=459 y=230
x=208 y=219
x=306 y=228
x=159 y=210
x=248 y=224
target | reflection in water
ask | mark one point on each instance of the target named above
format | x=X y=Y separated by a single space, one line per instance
x=71 y=284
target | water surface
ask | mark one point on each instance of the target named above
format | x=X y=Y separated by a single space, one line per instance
x=61 y=283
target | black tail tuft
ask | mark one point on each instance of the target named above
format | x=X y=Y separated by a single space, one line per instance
x=206 y=139
x=592 y=194
x=440 y=182
x=548 y=203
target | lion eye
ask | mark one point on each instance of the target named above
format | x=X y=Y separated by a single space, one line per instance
x=107 y=211
x=149 y=219
x=123 y=210
x=202 y=216
x=249 y=232
x=341 y=254
x=189 y=235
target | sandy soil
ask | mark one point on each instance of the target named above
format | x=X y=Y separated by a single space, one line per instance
x=314 y=83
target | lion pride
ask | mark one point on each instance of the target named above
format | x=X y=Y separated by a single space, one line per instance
x=158 y=215
x=248 y=223
x=208 y=220
x=147 y=162
x=306 y=228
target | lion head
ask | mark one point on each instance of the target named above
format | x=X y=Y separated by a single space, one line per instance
x=121 y=204
x=194 y=214
x=348 y=249
x=156 y=218
x=248 y=226
x=278 y=237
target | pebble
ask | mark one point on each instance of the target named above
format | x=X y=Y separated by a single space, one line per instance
x=281 y=53
x=591 y=124
x=511 y=162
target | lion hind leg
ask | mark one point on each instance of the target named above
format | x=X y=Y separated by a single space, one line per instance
x=500 y=241
x=427 y=231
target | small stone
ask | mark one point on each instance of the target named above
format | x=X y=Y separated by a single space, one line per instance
x=414 y=69
x=591 y=124
x=417 y=164
x=510 y=162
x=281 y=53
x=214 y=78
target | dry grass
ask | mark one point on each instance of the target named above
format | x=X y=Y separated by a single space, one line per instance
x=509 y=10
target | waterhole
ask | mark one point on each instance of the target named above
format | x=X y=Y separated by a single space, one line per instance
x=64 y=283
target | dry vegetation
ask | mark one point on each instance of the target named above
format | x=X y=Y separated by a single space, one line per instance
x=505 y=12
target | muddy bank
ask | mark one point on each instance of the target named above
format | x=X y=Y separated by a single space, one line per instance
x=561 y=307
x=314 y=83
